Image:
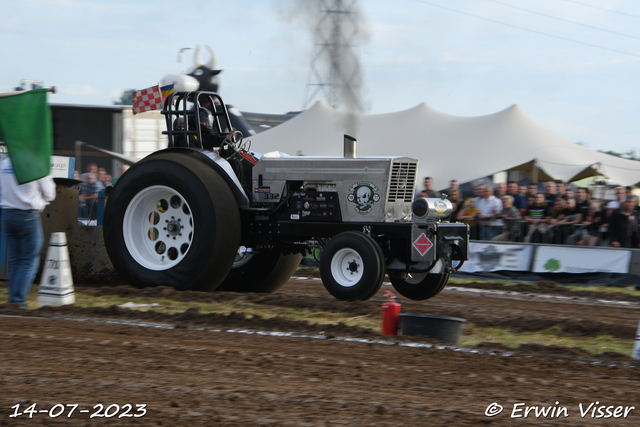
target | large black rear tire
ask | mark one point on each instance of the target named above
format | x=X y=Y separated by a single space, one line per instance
x=352 y=266
x=419 y=286
x=172 y=220
x=265 y=271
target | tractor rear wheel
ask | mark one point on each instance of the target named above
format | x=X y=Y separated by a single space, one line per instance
x=265 y=271
x=172 y=220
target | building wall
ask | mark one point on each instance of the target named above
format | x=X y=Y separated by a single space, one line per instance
x=142 y=133
x=98 y=126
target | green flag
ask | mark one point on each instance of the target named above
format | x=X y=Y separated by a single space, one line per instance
x=25 y=124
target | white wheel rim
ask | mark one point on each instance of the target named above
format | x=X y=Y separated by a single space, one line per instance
x=158 y=228
x=347 y=267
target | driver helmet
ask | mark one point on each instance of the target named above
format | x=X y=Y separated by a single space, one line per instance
x=205 y=117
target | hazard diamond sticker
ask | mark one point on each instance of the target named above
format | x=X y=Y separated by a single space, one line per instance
x=422 y=244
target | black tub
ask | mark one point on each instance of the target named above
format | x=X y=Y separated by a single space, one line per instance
x=446 y=329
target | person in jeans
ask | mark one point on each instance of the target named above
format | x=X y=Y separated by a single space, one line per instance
x=21 y=208
x=490 y=208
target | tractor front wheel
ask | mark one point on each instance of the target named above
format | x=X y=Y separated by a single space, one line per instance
x=419 y=286
x=352 y=266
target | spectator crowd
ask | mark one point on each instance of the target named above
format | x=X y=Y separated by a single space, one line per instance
x=557 y=215
x=505 y=212
x=93 y=180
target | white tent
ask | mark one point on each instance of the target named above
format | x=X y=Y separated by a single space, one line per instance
x=448 y=147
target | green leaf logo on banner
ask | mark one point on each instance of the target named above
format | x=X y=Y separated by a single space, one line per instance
x=552 y=265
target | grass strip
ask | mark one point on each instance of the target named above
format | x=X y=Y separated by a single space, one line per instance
x=472 y=335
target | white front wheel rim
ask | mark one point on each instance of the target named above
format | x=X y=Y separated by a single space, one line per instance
x=158 y=228
x=347 y=267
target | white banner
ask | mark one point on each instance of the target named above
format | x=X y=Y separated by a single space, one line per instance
x=559 y=259
x=497 y=257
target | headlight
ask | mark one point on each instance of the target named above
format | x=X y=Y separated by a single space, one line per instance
x=390 y=212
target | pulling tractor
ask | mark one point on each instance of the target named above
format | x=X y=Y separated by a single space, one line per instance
x=207 y=213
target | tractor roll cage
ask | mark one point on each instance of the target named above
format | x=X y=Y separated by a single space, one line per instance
x=186 y=105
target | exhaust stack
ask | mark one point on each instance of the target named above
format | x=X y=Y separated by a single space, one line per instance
x=349 y=147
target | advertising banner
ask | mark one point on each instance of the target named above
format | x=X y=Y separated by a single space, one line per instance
x=558 y=259
x=485 y=257
x=62 y=167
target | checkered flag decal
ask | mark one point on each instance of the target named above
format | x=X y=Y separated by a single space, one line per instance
x=147 y=99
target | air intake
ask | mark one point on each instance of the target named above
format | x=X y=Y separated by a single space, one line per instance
x=402 y=182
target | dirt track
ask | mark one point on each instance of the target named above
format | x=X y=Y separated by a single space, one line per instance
x=189 y=369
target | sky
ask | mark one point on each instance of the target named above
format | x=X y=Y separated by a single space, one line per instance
x=571 y=65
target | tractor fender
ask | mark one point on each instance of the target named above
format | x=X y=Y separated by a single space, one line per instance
x=219 y=164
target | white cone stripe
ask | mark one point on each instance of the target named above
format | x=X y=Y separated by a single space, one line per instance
x=56 y=294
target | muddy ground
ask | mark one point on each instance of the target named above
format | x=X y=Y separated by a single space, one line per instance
x=206 y=369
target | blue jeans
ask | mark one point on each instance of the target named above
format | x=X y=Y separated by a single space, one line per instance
x=23 y=232
x=488 y=232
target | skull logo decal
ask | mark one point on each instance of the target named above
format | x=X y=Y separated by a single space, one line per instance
x=363 y=195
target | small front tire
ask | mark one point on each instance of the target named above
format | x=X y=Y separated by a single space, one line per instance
x=419 y=286
x=352 y=266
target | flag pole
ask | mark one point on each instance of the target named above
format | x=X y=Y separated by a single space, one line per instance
x=52 y=89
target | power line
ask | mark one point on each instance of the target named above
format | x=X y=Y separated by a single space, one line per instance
x=565 y=20
x=335 y=67
x=603 y=8
x=527 y=29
